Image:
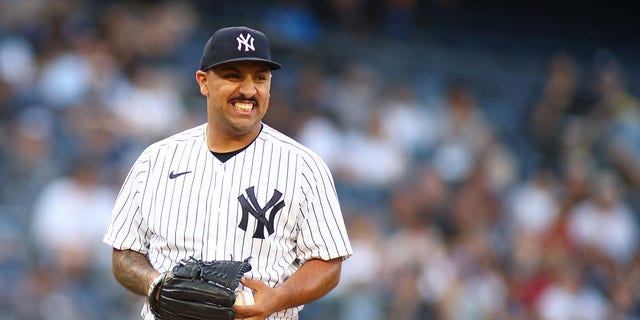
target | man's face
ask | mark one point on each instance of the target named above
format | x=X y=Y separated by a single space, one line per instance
x=237 y=96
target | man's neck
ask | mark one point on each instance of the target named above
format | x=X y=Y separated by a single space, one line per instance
x=221 y=143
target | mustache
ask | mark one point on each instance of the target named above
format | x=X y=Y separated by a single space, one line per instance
x=243 y=98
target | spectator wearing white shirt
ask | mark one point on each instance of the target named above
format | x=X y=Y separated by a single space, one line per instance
x=605 y=222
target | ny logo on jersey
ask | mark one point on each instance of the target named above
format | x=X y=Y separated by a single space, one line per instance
x=251 y=206
x=246 y=41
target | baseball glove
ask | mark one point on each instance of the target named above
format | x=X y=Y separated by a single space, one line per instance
x=196 y=289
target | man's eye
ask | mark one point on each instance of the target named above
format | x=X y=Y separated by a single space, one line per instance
x=232 y=76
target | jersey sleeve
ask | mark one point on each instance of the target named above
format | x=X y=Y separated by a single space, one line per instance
x=127 y=229
x=323 y=234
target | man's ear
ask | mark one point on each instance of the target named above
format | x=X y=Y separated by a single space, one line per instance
x=201 y=79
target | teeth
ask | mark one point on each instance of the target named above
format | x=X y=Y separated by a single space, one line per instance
x=243 y=106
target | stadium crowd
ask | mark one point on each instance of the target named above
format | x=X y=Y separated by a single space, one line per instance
x=478 y=180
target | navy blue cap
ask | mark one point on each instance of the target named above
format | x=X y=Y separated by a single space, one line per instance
x=236 y=44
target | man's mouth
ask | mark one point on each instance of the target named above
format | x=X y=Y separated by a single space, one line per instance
x=243 y=106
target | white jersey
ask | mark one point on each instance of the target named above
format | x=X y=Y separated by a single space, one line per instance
x=275 y=202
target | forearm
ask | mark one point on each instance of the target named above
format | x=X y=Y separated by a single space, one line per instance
x=133 y=270
x=313 y=280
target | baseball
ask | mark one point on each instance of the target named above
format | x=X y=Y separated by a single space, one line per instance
x=243 y=298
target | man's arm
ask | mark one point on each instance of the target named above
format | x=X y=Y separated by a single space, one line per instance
x=313 y=280
x=133 y=270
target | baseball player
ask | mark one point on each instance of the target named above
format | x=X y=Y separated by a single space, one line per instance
x=231 y=189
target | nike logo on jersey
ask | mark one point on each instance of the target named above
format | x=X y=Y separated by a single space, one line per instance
x=175 y=175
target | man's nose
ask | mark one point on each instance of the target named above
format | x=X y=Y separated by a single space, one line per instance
x=248 y=88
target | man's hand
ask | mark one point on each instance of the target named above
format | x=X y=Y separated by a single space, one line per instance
x=266 y=301
x=313 y=280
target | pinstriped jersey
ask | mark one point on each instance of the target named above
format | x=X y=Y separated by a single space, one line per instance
x=275 y=201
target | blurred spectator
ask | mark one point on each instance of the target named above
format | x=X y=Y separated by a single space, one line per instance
x=408 y=122
x=17 y=62
x=68 y=223
x=528 y=273
x=624 y=304
x=414 y=246
x=65 y=79
x=475 y=205
x=629 y=278
x=151 y=32
x=149 y=105
x=533 y=206
x=319 y=129
x=432 y=197
x=361 y=285
x=322 y=135
x=617 y=116
x=31 y=160
x=499 y=164
x=300 y=101
x=478 y=290
x=463 y=133
x=69 y=218
x=568 y=297
x=604 y=222
x=354 y=95
x=371 y=158
x=562 y=97
x=91 y=129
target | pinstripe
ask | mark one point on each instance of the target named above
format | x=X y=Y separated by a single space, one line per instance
x=258 y=177
x=208 y=207
x=171 y=228
x=191 y=228
x=199 y=214
x=161 y=215
x=234 y=163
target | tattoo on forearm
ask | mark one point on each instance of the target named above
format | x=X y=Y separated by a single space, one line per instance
x=133 y=271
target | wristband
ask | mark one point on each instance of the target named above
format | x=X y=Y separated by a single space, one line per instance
x=154 y=286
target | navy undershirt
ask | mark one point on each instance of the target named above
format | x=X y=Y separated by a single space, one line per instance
x=224 y=156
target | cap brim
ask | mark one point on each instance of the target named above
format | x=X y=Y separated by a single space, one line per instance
x=272 y=64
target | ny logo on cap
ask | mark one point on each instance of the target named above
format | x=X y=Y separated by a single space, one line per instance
x=246 y=41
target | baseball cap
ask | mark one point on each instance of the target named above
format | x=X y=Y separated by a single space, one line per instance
x=236 y=44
